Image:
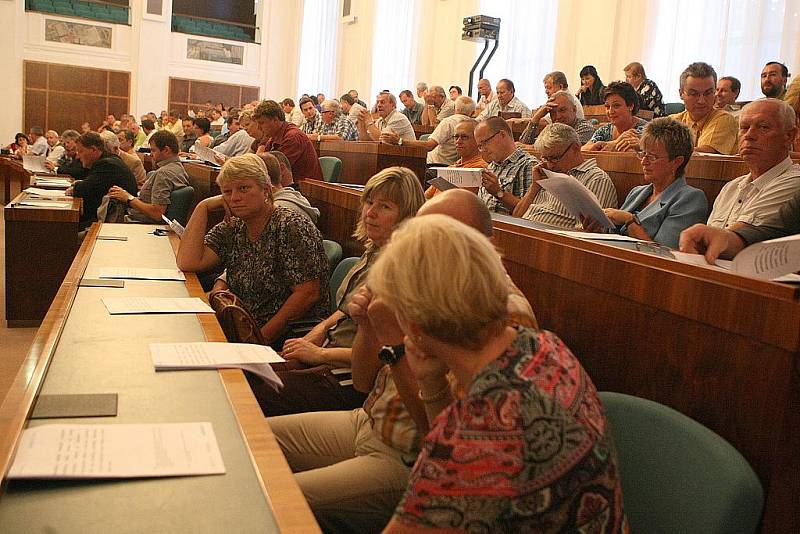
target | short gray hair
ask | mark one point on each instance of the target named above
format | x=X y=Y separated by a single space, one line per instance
x=556 y=135
x=575 y=102
x=110 y=140
x=437 y=90
x=465 y=106
x=557 y=77
x=698 y=70
x=785 y=111
x=675 y=136
x=332 y=104
x=422 y=86
x=391 y=97
x=70 y=134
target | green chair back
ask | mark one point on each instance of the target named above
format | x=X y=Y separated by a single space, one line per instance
x=333 y=251
x=674 y=107
x=338 y=276
x=424 y=137
x=331 y=168
x=180 y=203
x=677 y=475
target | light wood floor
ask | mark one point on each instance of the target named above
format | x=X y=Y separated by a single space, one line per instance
x=14 y=342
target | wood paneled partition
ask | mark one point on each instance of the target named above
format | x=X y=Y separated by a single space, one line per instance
x=193 y=94
x=60 y=96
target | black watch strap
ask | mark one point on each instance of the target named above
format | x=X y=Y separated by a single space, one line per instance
x=391 y=354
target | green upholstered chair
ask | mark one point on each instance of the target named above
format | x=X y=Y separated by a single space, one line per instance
x=674 y=107
x=677 y=475
x=331 y=168
x=424 y=137
x=338 y=275
x=180 y=203
x=333 y=251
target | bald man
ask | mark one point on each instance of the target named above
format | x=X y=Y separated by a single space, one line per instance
x=55 y=150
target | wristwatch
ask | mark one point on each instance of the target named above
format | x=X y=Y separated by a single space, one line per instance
x=635 y=220
x=500 y=194
x=130 y=199
x=400 y=141
x=391 y=354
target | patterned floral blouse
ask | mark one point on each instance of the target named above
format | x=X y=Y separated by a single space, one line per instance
x=527 y=450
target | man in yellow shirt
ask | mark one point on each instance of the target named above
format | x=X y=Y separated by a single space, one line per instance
x=715 y=131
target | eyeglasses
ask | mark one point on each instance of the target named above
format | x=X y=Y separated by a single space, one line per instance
x=461 y=137
x=652 y=158
x=327 y=111
x=482 y=144
x=695 y=94
x=556 y=159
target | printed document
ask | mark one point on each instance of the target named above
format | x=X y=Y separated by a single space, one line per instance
x=132 y=305
x=137 y=273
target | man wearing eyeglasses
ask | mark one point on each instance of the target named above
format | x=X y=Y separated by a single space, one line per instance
x=333 y=124
x=509 y=174
x=560 y=151
x=714 y=130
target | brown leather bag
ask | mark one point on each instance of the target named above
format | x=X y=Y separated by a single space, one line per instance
x=237 y=323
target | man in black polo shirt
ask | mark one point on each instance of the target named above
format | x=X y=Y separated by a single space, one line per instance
x=105 y=170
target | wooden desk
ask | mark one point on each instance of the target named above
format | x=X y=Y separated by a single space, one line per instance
x=720 y=348
x=362 y=159
x=82 y=349
x=40 y=246
x=595 y=112
x=420 y=130
x=11 y=171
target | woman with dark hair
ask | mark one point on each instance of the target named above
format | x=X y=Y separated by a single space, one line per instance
x=622 y=132
x=21 y=141
x=455 y=92
x=591 y=92
x=201 y=128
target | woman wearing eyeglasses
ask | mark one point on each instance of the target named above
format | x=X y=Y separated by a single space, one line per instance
x=660 y=210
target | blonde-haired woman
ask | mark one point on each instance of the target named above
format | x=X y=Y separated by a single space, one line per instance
x=526 y=448
x=389 y=197
x=793 y=99
x=274 y=258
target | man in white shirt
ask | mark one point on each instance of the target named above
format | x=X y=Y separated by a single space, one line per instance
x=437 y=106
x=292 y=112
x=505 y=102
x=38 y=146
x=486 y=95
x=391 y=121
x=351 y=106
x=54 y=149
x=238 y=141
x=767 y=128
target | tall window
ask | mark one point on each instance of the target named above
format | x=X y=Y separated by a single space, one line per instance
x=394 y=45
x=527 y=40
x=317 y=67
x=736 y=38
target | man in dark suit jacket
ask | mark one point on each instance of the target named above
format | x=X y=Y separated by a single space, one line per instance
x=105 y=170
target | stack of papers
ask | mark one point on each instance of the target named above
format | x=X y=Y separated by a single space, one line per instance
x=134 y=305
x=207 y=154
x=579 y=201
x=41 y=203
x=186 y=356
x=47 y=181
x=136 y=273
x=44 y=193
x=34 y=163
x=117 y=451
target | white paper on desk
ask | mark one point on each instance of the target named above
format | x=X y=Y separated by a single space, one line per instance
x=206 y=154
x=136 y=273
x=132 y=305
x=68 y=451
x=578 y=200
x=769 y=259
x=37 y=203
x=34 y=163
x=45 y=193
x=460 y=176
x=60 y=183
x=595 y=236
x=185 y=356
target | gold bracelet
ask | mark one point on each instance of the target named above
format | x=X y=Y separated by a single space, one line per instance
x=436 y=397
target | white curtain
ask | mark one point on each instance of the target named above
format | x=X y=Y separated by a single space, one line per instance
x=317 y=67
x=394 y=46
x=527 y=41
x=736 y=37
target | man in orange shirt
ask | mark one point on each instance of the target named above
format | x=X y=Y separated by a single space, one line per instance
x=467 y=149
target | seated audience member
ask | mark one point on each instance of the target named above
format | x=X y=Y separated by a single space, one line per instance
x=713 y=130
x=148 y=127
x=132 y=161
x=286 y=196
x=154 y=195
x=622 y=132
x=554 y=82
x=85 y=128
x=560 y=151
x=482 y=383
x=504 y=102
x=274 y=257
x=38 y=143
x=716 y=243
x=54 y=149
x=454 y=92
x=126 y=141
x=563 y=107
x=351 y=107
x=441 y=145
x=467 y=149
x=422 y=90
x=333 y=124
x=172 y=121
x=21 y=142
x=287 y=138
x=437 y=106
x=104 y=170
x=190 y=135
x=354 y=95
x=650 y=97
x=320 y=98
x=591 y=91
x=727 y=92
x=390 y=121
x=238 y=140
x=310 y=114
x=140 y=138
x=411 y=108
x=69 y=162
x=107 y=124
x=793 y=99
x=774 y=77
x=509 y=174
x=202 y=127
x=767 y=129
x=662 y=209
x=251 y=127
x=292 y=112
x=354 y=485
x=287 y=180
x=486 y=95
